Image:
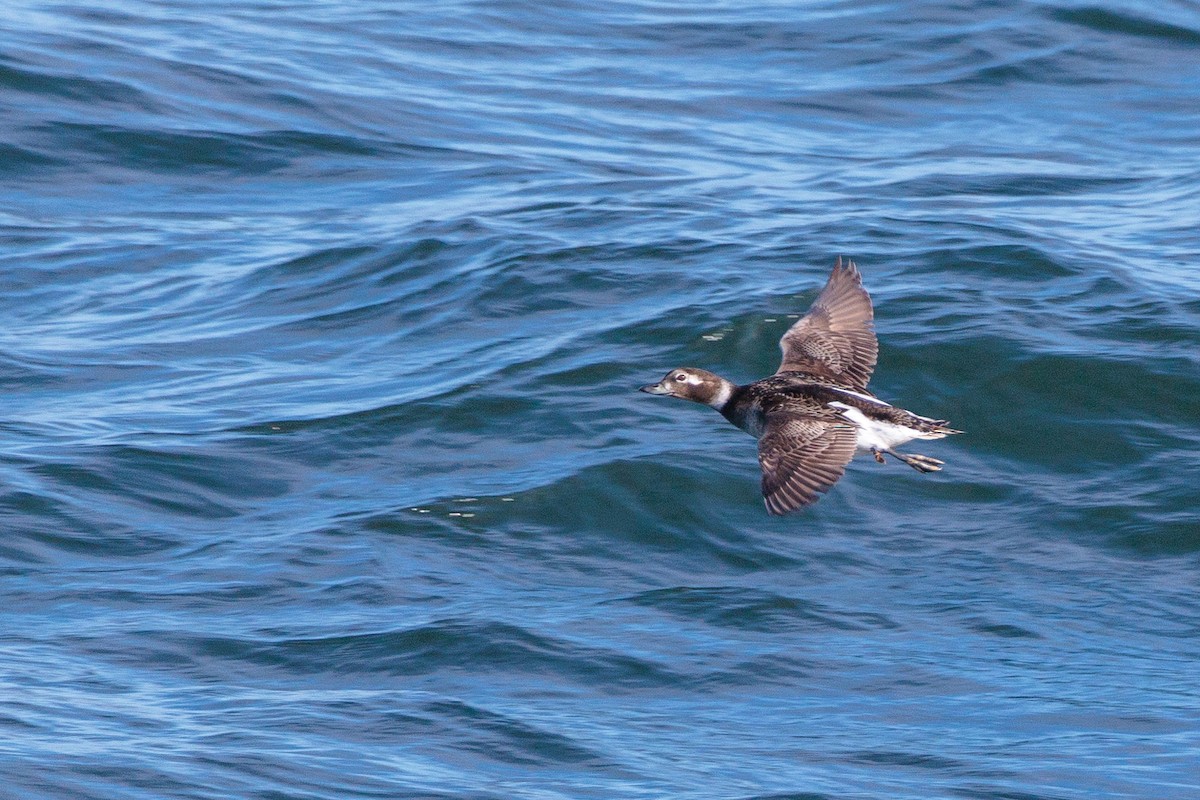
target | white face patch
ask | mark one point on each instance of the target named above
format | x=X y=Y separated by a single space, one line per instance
x=724 y=391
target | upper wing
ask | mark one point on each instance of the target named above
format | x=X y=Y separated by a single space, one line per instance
x=801 y=456
x=835 y=339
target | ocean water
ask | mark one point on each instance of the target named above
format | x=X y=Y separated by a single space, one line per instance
x=322 y=470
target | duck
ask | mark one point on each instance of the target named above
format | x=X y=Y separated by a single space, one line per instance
x=815 y=413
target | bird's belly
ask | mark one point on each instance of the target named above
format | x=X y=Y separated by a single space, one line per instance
x=882 y=436
x=875 y=434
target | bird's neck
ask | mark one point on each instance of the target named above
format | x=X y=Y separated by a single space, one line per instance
x=720 y=399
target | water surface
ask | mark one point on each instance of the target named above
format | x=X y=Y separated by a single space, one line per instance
x=322 y=472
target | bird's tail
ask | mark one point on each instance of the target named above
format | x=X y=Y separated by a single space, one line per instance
x=934 y=428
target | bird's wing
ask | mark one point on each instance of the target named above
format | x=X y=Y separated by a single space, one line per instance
x=801 y=456
x=835 y=339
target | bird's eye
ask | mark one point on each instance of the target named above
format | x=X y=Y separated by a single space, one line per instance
x=681 y=377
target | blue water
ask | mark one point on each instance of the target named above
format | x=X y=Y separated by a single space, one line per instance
x=322 y=472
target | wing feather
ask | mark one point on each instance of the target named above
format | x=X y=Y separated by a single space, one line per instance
x=836 y=338
x=801 y=457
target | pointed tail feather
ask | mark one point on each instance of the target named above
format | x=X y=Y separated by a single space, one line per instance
x=934 y=428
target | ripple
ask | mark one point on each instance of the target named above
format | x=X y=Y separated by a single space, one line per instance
x=469 y=647
x=746 y=609
x=499 y=738
x=1106 y=20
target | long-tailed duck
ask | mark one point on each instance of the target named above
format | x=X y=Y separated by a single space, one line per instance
x=815 y=413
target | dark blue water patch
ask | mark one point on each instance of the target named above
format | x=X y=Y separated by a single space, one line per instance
x=1006 y=184
x=919 y=761
x=1105 y=20
x=530 y=525
x=496 y=737
x=24 y=78
x=144 y=475
x=157 y=150
x=1005 y=630
x=1109 y=424
x=23 y=162
x=45 y=524
x=679 y=498
x=758 y=611
x=993 y=793
x=457 y=647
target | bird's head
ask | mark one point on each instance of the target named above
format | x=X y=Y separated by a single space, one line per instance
x=697 y=385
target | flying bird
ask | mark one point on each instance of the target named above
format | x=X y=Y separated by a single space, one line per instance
x=815 y=413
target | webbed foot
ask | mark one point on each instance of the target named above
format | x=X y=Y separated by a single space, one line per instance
x=919 y=462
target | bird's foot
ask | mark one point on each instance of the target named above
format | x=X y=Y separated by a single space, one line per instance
x=919 y=462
